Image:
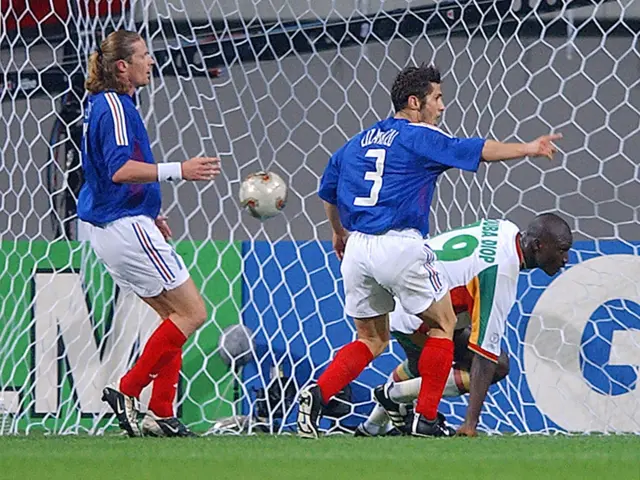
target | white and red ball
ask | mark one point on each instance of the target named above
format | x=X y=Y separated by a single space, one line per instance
x=263 y=194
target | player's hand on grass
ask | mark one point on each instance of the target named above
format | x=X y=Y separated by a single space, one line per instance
x=163 y=226
x=201 y=168
x=466 y=431
x=339 y=243
x=543 y=146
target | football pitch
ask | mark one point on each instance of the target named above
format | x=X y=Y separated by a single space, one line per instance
x=336 y=457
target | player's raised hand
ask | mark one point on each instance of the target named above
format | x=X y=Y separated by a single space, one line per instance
x=340 y=243
x=543 y=146
x=201 y=168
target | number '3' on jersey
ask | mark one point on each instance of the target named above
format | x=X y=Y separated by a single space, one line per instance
x=383 y=178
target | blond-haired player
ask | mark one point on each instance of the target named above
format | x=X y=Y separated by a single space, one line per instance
x=120 y=200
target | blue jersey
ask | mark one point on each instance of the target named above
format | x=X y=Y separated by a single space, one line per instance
x=383 y=178
x=113 y=134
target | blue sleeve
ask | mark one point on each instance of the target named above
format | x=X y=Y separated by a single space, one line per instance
x=115 y=134
x=328 y=190
x=437 y=146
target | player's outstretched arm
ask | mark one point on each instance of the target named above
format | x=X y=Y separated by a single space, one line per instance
x=201 y=168
x=541 y=147
x=198 y=168
x=339 y=233
x=482 y=372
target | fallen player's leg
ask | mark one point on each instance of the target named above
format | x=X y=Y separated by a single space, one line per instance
x=404 y=382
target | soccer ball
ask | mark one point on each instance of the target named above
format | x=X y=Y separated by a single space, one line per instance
x=263 y=194
x=236 y=345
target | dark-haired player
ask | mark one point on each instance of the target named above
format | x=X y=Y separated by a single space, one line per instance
x=480 y=263
x=377 y=188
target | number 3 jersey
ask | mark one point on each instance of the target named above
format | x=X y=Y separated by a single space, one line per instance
x=383 y=178
x=481 y=262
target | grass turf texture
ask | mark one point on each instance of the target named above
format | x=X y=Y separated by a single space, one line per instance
x=262 y=457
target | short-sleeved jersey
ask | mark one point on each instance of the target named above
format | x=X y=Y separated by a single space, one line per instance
x=113 y=134
x=384 y=178
x=481 y=262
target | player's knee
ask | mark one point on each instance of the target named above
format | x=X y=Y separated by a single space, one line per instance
x=444 y=322
x=440 y=316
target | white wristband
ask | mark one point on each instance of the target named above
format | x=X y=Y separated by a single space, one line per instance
x=169 y=172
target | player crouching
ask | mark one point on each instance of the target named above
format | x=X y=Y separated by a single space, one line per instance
x=481 y=264
x=406 y=377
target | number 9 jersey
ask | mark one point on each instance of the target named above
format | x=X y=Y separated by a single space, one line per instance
x=480 y=263
x=383 y=178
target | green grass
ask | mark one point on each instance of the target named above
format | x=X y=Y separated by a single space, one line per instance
x=492 y=458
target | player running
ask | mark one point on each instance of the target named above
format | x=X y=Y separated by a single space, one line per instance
x=120 y=200
x=481 y=263
x=379 y=187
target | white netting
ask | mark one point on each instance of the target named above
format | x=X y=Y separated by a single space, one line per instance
x=293 y=81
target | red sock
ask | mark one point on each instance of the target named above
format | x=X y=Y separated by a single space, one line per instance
x=165 y=386
x=434 y=366
x=159 y=350
x=348 y=363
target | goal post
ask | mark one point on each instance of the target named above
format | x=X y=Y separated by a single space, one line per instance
x=280 y=88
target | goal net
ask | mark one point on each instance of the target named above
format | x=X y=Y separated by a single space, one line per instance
x=279 y=86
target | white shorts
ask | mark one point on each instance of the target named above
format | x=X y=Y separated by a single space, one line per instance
x=402 y=322
x=375 y=268
x=137 y=256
